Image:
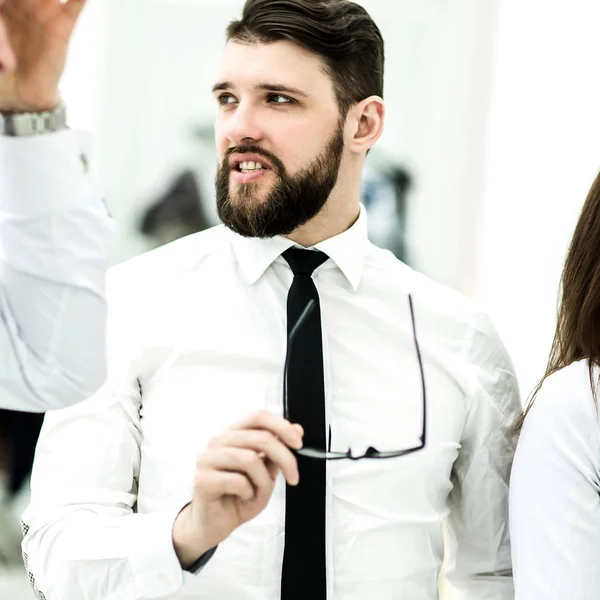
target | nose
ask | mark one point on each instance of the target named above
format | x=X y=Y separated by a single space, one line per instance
x=241 y=126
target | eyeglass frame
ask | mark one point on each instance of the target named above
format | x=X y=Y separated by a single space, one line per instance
x=371 y=452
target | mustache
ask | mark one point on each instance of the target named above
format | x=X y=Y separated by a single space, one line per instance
x=277 y=164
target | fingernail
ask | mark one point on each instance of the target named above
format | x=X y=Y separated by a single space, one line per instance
x=295 y=480
x=300 y=429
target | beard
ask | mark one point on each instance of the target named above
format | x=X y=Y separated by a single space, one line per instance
x=293 y=201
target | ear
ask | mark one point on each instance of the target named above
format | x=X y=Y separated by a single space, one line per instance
x=368 y=118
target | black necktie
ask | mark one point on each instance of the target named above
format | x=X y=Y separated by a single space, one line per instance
x=303 y=575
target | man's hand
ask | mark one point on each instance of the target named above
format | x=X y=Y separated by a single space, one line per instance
x=34 y=38
x=234 y=480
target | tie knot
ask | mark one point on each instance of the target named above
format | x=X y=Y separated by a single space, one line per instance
x=304 y=262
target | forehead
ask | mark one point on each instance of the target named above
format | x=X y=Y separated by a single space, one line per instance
x=281 y=62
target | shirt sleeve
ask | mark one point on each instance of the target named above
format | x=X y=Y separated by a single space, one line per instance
x=83 y=538
x=555 y=494
x=478 y=546
x=55 y=237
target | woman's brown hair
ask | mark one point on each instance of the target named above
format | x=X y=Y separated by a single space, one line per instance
x=577 y=334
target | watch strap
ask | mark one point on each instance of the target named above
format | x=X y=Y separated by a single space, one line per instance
x=37 y=123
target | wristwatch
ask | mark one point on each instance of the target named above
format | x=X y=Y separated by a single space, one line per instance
x=28 y=124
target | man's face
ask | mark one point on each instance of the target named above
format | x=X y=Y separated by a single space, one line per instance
x=276 y=108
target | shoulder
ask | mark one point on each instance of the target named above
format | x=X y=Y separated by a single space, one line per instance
x=565 y=402
x=560 y=438
x=441 y=308
x=455 y=331
x=170 y=260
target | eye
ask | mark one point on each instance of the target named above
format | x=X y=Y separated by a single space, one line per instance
x=226 y=99
x=280 y=99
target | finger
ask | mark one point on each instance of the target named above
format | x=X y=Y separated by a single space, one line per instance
x=239 y=460
x=73 y=7
x=278 y=426
x=271 y=466
x=266 y=445
x=7 y=58
x=215 y=484
x=274 y=470
x=22 y=4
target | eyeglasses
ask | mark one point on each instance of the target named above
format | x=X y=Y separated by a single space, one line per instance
x=371 y=452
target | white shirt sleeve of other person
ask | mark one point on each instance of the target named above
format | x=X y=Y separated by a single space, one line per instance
x=55 y=236
x=194 y=346
x=555 y=492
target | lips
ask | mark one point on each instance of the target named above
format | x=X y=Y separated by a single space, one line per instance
x=250 y=177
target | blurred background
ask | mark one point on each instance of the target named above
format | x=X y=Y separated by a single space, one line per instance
x=491 y=144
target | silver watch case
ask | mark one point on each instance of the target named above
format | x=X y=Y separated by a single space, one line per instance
x=28 y=124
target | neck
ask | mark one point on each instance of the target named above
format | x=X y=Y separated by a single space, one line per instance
x=339 y=213
x=327 y=224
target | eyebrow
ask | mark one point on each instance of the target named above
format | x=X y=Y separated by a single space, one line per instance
x=269 y=87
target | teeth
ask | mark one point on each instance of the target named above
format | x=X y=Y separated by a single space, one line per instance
x=250 y=165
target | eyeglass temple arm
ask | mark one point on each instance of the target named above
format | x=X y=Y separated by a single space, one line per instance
x=307 y=310
x=424 y=392
x=309 y=307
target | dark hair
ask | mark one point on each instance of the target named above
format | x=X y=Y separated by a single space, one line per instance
x=341 y=32
x=577 y=334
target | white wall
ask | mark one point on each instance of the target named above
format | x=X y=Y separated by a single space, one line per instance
x=81 y=84
x=542 y=156
x=448 y=136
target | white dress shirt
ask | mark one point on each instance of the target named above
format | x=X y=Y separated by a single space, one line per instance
x=555 y=492
x=196 y=340
x=54 y=246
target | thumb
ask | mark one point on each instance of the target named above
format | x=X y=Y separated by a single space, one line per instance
x=7 y=58
x=73 y=7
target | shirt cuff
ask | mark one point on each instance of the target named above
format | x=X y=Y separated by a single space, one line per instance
x=46 y=174
x=156 y=570
x=197 y=566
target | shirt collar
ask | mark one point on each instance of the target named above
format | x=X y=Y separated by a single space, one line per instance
x=347 y=250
